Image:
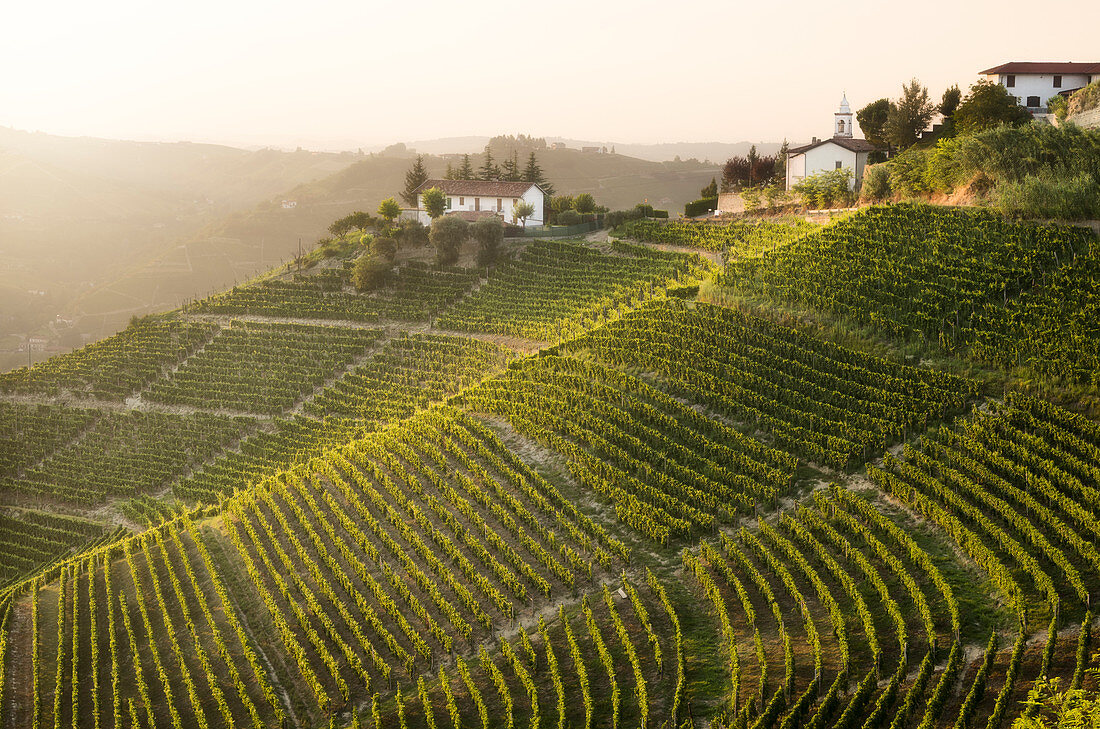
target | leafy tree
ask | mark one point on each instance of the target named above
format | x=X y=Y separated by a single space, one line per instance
x=950 y=101
x=360 y=220
x=910 y=115
x=390 y=209
x=435 y=202
x=533 y=173
x=775 y=195
x=414 y=178
x=466 y=171
x=825 y=189
x=988 y=105
x=584 y=203
x=511 y=168
x=340 y=228
x=522 y=211
x=370 y=272
x=741 y=172
x=447 y=235
x=488 y=169
x=384 y=248
x=412 y=233
x=872 y=121
x=489 y=234
x=751 y=197
x=561 y=203
x=710 y=190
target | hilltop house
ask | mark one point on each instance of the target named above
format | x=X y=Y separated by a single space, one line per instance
x=842 y=150
x=476 y=198
x=1033 y=83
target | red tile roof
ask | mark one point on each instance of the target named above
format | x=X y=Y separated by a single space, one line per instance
x=478 y=188
x=1043 y=67
x=852 y=145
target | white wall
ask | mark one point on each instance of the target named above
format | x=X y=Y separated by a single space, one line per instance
x=1041 y=85
x=480 y=202
x=822 y=159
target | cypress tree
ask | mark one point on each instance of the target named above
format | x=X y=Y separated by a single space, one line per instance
x=414 y=178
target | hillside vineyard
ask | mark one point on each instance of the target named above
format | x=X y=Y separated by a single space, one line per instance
x=847 y=477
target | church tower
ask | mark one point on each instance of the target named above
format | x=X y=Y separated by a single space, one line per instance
x=842 y=123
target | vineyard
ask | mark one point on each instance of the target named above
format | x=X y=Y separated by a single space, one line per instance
x=672 y=514
x=413 y=293
x=734 y=239
x=557 y=290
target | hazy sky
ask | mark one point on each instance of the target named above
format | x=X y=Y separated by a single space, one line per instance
x=338 y=75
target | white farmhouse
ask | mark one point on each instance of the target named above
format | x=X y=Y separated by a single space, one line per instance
x=841 y=151
x=476 y=198
x=1033 y=83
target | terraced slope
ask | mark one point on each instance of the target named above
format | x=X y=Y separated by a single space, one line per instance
x=682 y=515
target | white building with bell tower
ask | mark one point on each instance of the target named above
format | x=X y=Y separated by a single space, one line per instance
x=842 y=120
x=842 y=151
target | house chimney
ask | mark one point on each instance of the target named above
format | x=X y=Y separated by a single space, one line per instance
x=815 y=140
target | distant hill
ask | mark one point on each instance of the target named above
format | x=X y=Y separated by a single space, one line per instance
x=100 y=230
x=717 y=152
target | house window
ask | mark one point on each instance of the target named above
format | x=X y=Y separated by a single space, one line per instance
x=500 y=204
x=477 y=203
x=450 y=202
x=461 y=201
x=838 y=163
x=515 y=201
x=1033 y=102
x=1011 y=81
x=1057 y=82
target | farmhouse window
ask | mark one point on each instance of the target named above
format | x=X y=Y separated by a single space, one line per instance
x=450 y=202
x=838 y=163
x=500 y=204
x=1057 y=82
x=477 y=203
x=1033 y=102
x=1011 y=82
x=461 y=201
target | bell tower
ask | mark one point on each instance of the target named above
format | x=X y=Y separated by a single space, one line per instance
x=842 y=120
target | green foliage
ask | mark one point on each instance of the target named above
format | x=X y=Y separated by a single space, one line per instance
x=389 y=209
x=1050 y=196
x=414 y=178
x=909 y=115
x=533 y=173
x=370 y=272
x=952 y=97
x=561 y=203
x=466 y=171
x=1084 y=99
x=872 y=121
x=584 y=203
x=908 y=172
x=434 y=201
x=710 y=190
x=825 y=189
x=876 y=183
x=384 y=248
x=700 y=207
x=750 y=196
x=1059 y=107
x=523 y=210
x=489 y=234
x=412 y=234
x=447 y=235
x=568 y=217
x=987 y=105
x=489 y=169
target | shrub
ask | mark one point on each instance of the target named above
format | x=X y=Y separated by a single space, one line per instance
x=370 y=272
x=1084 y=99
x=489 y=234
x=907 y=172
x=876 y=183
x=701 y=206
x=825 y=189
x=568 y=217
x=412 y=233
x=1049 y=196
x=447 y=235
x=384 y=248
x=751 y=197
x=584 y=203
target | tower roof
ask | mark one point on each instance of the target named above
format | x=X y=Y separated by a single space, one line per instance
x=844 y=108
